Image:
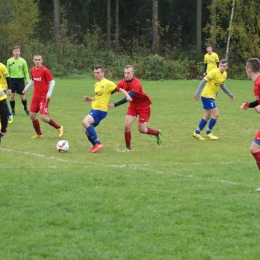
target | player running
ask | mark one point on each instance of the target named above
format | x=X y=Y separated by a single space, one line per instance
x=140 y=106
x=103 y=90
x=44 y=83
x=253 y=72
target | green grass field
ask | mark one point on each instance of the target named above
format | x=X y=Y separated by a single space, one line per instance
x=184 y=199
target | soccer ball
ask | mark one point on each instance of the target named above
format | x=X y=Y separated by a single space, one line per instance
x=63 y=146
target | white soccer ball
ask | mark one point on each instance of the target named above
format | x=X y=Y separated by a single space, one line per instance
x=63 y=146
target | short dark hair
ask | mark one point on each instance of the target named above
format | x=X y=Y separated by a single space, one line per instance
x=101 y=67
x=253 y=64
x=223 y=61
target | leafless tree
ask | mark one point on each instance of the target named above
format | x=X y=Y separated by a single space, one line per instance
x=198 y=26
x=56 y=15
x=155 y=28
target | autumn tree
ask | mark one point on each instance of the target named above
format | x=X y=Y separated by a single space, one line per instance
x=244 y=31
x=18 y=23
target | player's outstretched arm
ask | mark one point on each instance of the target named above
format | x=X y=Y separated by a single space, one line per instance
x=225 y=89
x=200 y=87
x=253 y=104
x=245 y=105
x=111 y=105
x=257 y=109
x=88 y=99
x=125 y=93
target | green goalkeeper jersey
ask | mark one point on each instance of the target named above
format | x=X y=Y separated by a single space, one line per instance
x=18 y=69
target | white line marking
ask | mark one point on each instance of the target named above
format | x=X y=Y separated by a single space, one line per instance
x=139 y=167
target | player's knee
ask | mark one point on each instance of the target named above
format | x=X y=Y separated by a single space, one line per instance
x=206 y=117
x=127 y=128
x=32 y=116
x=85 y=123
x=44 y=118
x=252 y=149
x=142 y=130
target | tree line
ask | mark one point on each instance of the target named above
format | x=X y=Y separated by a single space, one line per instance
x=165 y=37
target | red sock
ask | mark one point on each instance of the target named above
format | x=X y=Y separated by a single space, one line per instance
x=257 y=158
x=36 y=126
x=54 y=124
x=152 y=131
x=258 y=164
x=128 y=139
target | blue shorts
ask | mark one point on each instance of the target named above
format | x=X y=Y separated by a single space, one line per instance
x=208 y=103
x=98 y=115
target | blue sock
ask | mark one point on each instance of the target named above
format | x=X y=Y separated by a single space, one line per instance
x=212 y=122
x=92 y=135
x=90 y=139
x=202 y=124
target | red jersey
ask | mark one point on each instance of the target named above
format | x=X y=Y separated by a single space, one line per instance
x=134 y=85
x=257 y=89
x=41 y=78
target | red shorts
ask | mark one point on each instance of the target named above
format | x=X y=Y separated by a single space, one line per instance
x=39 y=104
x=257 y=138
x=143 y=111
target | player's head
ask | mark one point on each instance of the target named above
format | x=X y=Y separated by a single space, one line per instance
x=129 y=72
x=37 y=60
x=99 y=72
x=252 y=66
x=209 y=49
x=16 y=51
x=223 y=65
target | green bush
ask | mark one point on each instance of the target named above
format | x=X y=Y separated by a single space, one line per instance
x=64 y=58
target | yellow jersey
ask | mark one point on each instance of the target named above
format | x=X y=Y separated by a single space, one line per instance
x=102 y=96
x=211 y=61
x=214 y=80
x=3 y=83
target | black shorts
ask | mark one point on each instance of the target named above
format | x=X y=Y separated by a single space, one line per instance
x=17 y=85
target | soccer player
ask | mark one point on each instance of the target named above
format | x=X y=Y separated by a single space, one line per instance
x=211 y=61
x=4 y=81
x=139 y=106
x=212 y=82
x=44 y=83
x=18 y=72
x=103 y=90
x=5 y=84
x=253 y=73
